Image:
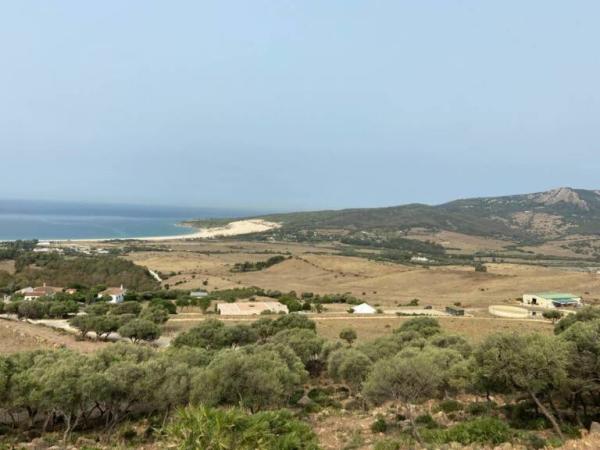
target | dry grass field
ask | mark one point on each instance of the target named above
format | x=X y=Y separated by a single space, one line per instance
x=322 y=270
x=22 y=336
x=371 y=327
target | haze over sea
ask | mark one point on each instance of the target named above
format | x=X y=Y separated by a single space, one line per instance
x=46 y=220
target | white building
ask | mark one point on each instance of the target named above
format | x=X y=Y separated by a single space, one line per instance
x=116 y=294
x=552 y=300
x=34 y=293
x=364 y=308
x=250 y=308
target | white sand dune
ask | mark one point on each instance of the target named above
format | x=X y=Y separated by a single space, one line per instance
x=231 y=229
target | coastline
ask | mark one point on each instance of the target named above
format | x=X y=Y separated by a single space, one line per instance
x=235 y=228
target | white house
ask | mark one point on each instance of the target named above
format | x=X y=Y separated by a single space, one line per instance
x=552 y=300
x=116 y=294
x=364 y=308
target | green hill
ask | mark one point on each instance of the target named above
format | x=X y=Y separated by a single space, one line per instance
x=530 y=217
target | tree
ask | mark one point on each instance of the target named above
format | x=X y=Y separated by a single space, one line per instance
x=552 y=315
x=534 y=365
x=140 y=330
x=104 y=325
x=254 y=379
x=583 y=315
x=126 y=308
x=349 y=366
x=348 y=335
x=425 y=326
x=408 y=380
x=305 y=343
x=584 y=362
x=213 y=334
x=84 y=323
x=155 y=314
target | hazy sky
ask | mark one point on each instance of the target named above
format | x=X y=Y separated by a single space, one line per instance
x=297 y=104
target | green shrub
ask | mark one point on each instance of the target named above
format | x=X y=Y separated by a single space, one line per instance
x=485 y=430
x=426 y=421
x=449 y=406
x=535 y=442
x=211 y=428
x=481 y=408
x=379 y=426
x=388 y=444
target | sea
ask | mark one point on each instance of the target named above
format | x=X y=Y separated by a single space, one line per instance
x=46 y=220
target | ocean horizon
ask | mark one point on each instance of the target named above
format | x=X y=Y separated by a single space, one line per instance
x=45 y=220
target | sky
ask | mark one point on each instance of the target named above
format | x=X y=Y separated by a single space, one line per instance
x=297 y=104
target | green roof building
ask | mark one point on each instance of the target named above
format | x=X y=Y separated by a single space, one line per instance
x=552 y=300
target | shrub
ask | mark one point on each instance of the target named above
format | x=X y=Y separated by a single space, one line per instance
x=388 y=444
x=426 y=421
x=379 y=426
x=481 y=408
x=450 y=405
x=486 y=430
x=209 y=428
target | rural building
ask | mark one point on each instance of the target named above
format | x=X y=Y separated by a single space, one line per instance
x=34 y=293
x=116 y=294
x=198 y=294
x=363 y=308
x=419 y=259
x=250 y=308
x=455 y=311
x=552 y=300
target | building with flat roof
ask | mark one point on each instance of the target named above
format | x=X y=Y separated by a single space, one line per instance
x=552 y=300
x=364 y=308
x=250 y=308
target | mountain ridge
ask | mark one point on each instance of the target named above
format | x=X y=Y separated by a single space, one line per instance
x=536 y=216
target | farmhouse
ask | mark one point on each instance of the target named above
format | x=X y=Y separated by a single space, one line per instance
x=364 y=308
x=552 y=300
x=34 y=293
x=250 y=308
x=116 y=294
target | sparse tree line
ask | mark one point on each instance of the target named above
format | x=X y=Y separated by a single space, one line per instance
x=268 y=364
x=249 y=266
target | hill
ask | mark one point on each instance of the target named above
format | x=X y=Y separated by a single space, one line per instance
x=534 y=217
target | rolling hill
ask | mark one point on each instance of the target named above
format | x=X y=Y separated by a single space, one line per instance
x=536 y=217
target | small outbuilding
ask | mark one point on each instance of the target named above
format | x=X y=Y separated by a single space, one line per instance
x=198 y=294
x=363 y=308
x=552 y=300
x=455 y=311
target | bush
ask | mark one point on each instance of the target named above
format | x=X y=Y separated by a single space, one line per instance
x=426 y=421
x=209 y=428
x=450 y=405
x=481 y=408
x=535 y=442
x=388 y=444
x=379 y=426
x=484 y=430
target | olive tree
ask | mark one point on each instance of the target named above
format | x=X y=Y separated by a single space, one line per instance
x=407 y=380
x=140 y=330
x=534 y=365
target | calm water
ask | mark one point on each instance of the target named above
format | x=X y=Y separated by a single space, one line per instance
x=53 y=220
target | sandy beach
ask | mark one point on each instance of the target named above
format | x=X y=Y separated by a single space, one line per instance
x=231 y=229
